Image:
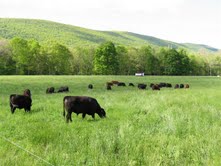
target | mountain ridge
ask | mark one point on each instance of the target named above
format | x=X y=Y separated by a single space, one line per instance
x=70 y=35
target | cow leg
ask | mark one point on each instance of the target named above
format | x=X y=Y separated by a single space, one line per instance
x=68 y=117
x=93 y=116
x=83 y=115
x=13 y=110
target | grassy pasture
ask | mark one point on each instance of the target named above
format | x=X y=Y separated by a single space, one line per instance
x=143 y=127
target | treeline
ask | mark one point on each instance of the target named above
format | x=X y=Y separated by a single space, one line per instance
x=29 y=57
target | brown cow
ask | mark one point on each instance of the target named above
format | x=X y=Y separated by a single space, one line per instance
x=50 y=90
x=187 y=86
x=155 y=87
x=115 y=82
x=109 y=83
x=176 y=86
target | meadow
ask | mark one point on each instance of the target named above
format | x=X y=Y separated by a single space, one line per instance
x=143 y=127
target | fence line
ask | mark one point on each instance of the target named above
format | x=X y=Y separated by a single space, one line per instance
x=29 y=152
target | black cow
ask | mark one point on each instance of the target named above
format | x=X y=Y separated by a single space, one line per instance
x=108 y=86
x=155 y=87
x=90 y=86
x=63 y=89
x=131 y=84
x=181 y=86
x=142 y=86
x=121 y=84
x=168 y=85
x=20 y=101
x=151 y=84
x=50 y=90
x=81 y=104
x=162 y=84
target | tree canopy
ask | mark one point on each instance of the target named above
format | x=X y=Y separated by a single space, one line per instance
x=29 y=57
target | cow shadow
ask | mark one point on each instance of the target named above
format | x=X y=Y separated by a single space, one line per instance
x=92 y=120
x=36 y=110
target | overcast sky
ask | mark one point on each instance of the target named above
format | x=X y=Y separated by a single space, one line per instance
x=195 y=21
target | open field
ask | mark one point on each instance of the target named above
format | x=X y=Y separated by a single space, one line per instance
x=143 y=127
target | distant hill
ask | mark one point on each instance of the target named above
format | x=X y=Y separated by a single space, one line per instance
x=71 y=36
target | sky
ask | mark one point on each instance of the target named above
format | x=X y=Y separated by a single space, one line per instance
x=192 y=21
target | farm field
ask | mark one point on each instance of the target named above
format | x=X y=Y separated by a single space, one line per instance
x=143 y=127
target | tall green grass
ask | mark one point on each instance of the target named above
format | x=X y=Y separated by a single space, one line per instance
x=143 y=127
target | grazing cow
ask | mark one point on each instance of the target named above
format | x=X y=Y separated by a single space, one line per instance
x=109 y=83
x=155 y=87
x=187 y=86
x=115 y=82
x=131 y=84
x=63 y=89
x=50 y=90
x=176 y=86
x=162 y=84
x=21 y=101
x=168 y=85
x=181 y=86
x=81 y=104
x=151 y=84
x=108 y=87
x=142 y=86
x=90 y=86
x=121 y=84
x=27 y=92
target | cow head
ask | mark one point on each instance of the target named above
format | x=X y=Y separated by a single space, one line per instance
x=27 y=92
x=102 y=113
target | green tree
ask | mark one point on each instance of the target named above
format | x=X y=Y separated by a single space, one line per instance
x=148 y=62
x=21 y=55
x=123 y=59
x=82 y=60
x=58 y=58
x=34 y=66
x=217 y=65
x=7 y=65
x=133 y=57
x=105 y=60
x=176 y=62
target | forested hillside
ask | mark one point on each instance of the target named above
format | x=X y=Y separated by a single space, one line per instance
x=73 y=36
x=35 y=47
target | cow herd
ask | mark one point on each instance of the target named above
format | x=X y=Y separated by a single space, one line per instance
x=79 y=104
x=144 y=86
